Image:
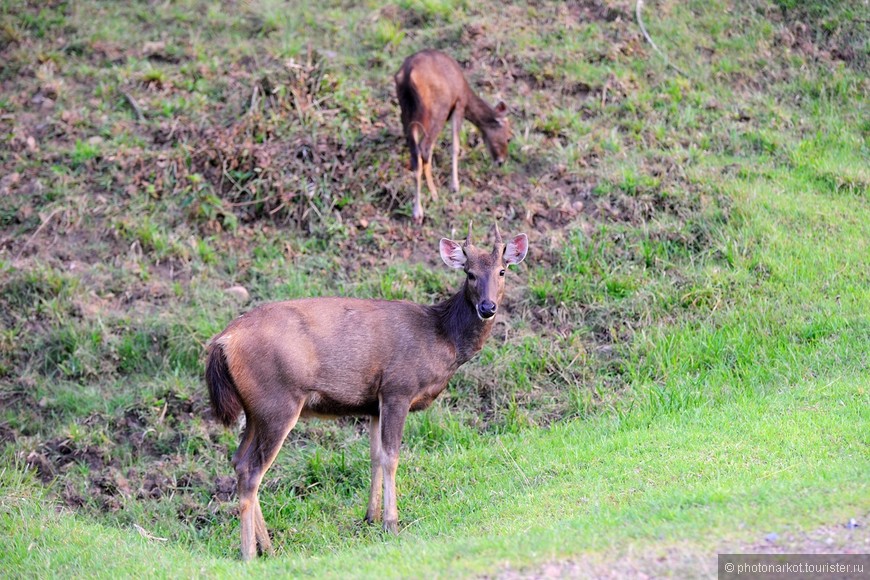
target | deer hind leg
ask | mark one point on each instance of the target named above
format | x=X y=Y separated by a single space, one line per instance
x=418 y=207
x=241 y=458
x=425 y=151
x=421 y=150
x=265 y=442
x=244 y=445
x=456 y=122
x=426 y=147
x=261 y=533
x=392 y=423
x=430 y=183
x=373 y=513
x=247 y=492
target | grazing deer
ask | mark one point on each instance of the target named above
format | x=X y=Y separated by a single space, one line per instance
x=431 y=88
x=331 y=357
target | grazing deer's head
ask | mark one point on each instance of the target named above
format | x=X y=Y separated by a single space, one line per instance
x=432 y=90
x=497 y=134
x=484 y=286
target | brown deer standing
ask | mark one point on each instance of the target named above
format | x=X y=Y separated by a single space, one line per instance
x=431 y=88
x=331 y=357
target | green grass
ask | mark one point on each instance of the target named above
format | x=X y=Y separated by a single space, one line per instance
x=682 y=359
x=795 y=457
x=756 y=419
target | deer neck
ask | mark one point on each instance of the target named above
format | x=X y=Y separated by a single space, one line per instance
x=462 y=326
x=478 y=112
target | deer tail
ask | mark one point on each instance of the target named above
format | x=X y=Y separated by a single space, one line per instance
x=415 y=132
x=225 y=401
x=416 y=135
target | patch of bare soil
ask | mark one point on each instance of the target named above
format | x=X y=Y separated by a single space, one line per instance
x=836 y=34
x=163 y=469
x=590 y=10
x=688 y=560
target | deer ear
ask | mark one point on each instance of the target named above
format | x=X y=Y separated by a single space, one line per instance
x=501 y=109
x=516 y=249
x=452 y=253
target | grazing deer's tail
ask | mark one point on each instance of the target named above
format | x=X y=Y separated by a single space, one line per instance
x=416 y=134
x=225 y=401
x=409 y=103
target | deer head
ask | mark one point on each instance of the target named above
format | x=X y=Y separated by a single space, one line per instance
x=497 y=134
x=485 y=270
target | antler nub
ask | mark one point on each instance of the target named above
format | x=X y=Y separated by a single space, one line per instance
x=468 y=237
x=498 y=246
x=497 y=233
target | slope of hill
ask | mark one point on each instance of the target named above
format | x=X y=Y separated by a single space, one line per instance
x=696 y=294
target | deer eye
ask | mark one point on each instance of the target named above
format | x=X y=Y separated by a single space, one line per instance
x=501 y=273
x=471 y=277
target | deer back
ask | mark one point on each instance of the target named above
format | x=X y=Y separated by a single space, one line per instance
x=429 y=85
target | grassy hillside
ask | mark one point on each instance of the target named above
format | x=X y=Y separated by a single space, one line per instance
x=680 y=480
x=682 y=360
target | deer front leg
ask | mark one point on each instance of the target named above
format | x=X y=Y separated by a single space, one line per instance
x=373 y=514
x=458 y=115
x=392 y=424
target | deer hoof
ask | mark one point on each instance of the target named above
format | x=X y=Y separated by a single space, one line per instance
x=391 y=527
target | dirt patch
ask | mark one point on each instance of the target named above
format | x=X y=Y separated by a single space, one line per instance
x=66 y=452
x=825 y=32
x=152 y=436
x=56 y=456
x=687 y=560
x=591 y=10
x=224 y=488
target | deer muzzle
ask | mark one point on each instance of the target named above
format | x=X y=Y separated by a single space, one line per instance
x=486 y=309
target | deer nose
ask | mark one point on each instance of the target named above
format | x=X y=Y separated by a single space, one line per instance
x=499 y=162
x=487 y=309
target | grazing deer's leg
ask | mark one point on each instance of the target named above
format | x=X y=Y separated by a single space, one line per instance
x=373 y=514
x=417 y=152
x=427 y=169
x=393 y=417
x=426 y=147
x=457 y=117
x=266 y=441
x=418 y=208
